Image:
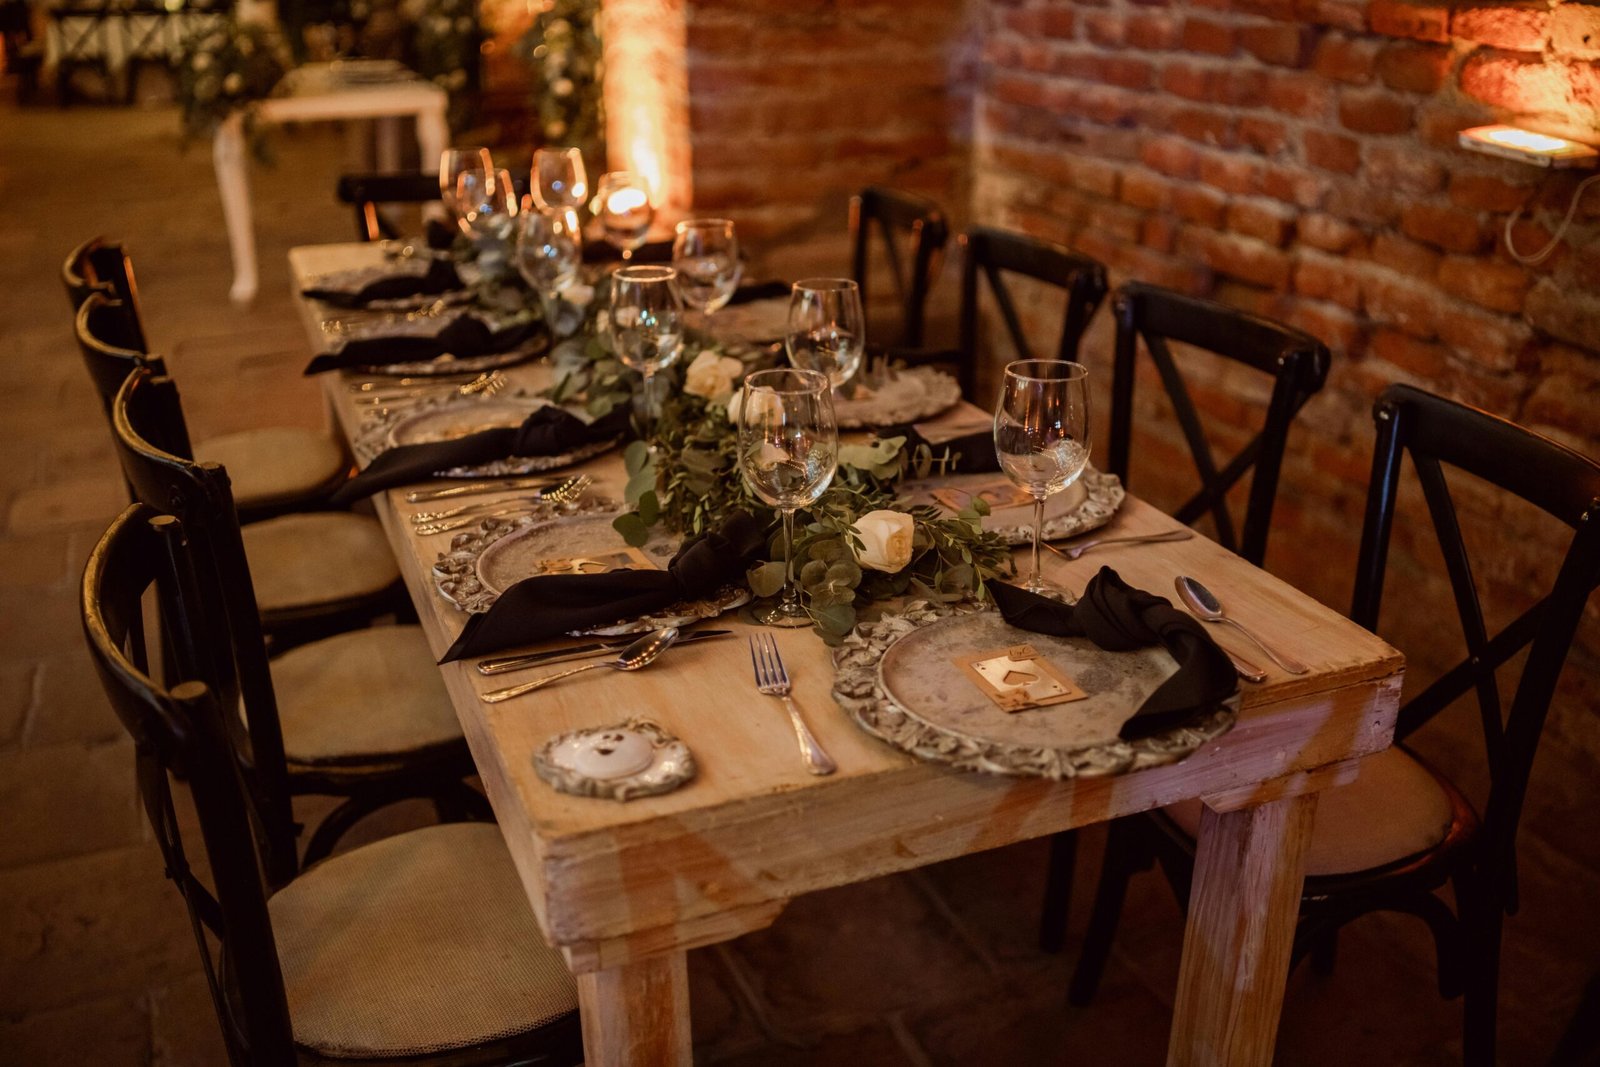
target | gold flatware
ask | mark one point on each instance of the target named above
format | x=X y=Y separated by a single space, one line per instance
x=505 y=664
x=488 y=485
x=636 y=656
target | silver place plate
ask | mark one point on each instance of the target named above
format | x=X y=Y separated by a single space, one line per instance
x=533 y=348
x=485 y=560
x=909 y=395
x=444 y=419
x=1087 y=504
x=899 y=679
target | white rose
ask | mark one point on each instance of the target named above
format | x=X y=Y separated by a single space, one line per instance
x=578 y=295
x=736 y=404
x=885 y=540
x=712 y=376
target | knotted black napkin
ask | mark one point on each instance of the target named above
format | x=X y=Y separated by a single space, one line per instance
x=549 y=431
x=972 y=453
x=546 y=606
x=1118 y=617
x=464 y=337
x=440 y=277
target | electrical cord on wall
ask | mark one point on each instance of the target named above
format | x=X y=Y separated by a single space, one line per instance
x=1544 y=253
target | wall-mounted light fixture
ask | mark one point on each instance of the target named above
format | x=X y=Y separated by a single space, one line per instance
x=1525 y=146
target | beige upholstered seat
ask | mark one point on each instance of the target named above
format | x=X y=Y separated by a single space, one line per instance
x=276 y=465
x=317 y=558
x=362 y=694
x=419 y=943
x=1395 y=810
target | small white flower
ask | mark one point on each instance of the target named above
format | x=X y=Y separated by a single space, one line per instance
x=463 y=25
x=886 y=539
x=602 y=320
x=555 y=129
x=233 y=83
x=578 y=295
x=202 y=61
x=712 y=376
x=562 y=87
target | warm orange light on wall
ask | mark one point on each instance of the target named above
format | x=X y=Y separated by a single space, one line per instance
x=647 y=97
x=1539 y=149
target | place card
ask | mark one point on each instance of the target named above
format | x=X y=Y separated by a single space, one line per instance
x=998 y=493
x=1019 y=679
x=600 y=563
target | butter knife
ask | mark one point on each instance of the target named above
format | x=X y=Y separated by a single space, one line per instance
x=502 y=664
x=493 y=485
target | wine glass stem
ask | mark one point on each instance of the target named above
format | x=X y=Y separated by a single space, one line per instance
x=649 y=417
x=1038 y=532
x=791 y=596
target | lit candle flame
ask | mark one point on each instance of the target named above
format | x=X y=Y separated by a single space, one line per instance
x=625 y=200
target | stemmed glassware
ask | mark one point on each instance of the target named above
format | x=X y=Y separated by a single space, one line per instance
x=646 y=326
x=788 y=452
x=486 y=203
x=558 y=179
x=826 y=331
x=625 y=211
x=453 y=163
x=548 y=252
x=1041 y=436
x=705 y=253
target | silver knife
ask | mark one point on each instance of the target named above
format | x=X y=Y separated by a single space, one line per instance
x=493 y=485
x=502 y=664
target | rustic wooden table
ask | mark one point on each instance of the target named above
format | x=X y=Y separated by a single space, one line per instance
x=626 y=889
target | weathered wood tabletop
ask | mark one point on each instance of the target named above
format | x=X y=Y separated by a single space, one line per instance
x=625 y=889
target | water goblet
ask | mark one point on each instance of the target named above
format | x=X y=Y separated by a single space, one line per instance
x=646 y=326
x=826 y=330
x=625 y=211
x=548 y=252
x=558 y=178
x=453 y=163
x=487 y=203
x=1041 y=437
x=705 y=253
x=788 y=453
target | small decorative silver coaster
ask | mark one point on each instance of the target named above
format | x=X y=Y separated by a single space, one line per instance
x=636 y=758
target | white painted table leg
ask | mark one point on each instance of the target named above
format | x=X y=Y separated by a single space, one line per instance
x=637 y=1013
x=233 y=182
x=388 y=143
x=1246 y=896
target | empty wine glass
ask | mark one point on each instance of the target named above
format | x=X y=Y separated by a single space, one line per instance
x=625 y=211
x=548 y=252
x=558 y=178
x=705 y=253
x=453 y=163
x=646 y=326
x=826 y=331
x=788 y=452
x=1041 y=436
x=486 y=202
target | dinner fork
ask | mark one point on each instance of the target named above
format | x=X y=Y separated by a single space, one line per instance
x=1074 y=551
x=773 y=680
x=559 y=493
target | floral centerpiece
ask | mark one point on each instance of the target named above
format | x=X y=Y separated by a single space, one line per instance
x=444 y=44
x=228 y=67
x=562 y=49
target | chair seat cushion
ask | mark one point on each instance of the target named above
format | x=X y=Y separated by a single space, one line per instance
x=418 y=943
x=1396 y=809
x=275 y=465
x=303 y=560
x=363 y=694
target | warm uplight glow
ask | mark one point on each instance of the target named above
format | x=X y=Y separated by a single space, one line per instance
x=1540 y=149
x=625 y=200
x=647 y=97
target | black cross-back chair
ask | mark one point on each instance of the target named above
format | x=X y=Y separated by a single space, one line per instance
x=989 y=255
x=397 y=739
x=1476 y=855
x=912 y=232
x=367 y=193
x=101 y=266
x=1296 y=361
x=83 y=36
x=371 y=957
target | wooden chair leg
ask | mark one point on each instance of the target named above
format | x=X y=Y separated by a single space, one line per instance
x=1058 y=891
x=1126 y=853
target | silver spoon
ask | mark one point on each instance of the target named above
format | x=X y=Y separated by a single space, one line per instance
x=636 y=656
x=1204 y=603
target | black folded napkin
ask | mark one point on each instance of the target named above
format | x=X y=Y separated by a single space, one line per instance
x=440 y=277
x=549 y=431
x=546 y=606
x=464 y=337
x=1118 y=617
x=749 y=294
x=441 y=235
x=972 y=453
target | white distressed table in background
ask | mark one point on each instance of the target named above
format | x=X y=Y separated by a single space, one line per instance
x=624 y=890
x=322 y=101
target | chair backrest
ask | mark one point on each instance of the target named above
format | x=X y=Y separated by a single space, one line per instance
x=367 y=192
x=905 y=224
x=234 y=666
x=1565 y=485
x=98 y=266
x=109 y=339
x=1296 y=361
x=990 y=254
x=185 y=730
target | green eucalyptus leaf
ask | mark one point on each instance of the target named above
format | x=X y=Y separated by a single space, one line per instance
x=634 y=530
x=635 y=457
x=813 y=574
x=766 y=579
x=649 y=508
x=834 y=619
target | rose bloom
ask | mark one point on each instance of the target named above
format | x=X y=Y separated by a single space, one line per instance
x=712 y=376
x=578 y=295
x=885 y=540
x=736 y=404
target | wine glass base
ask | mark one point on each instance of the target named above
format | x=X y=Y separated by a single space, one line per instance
x=1046 y=588
x=776 y=615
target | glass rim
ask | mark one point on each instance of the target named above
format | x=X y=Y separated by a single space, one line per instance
x=1078 y=371
x=689 y=224
x=645 y=272
x=825 y=285
x=825 y=387
x=560 y=150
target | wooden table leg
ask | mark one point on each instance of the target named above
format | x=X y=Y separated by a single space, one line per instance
x=1242 y=910
x=637 y=1013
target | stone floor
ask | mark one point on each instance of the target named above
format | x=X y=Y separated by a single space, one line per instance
x=934 y=967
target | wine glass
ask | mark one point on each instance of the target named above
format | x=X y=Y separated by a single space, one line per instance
x=558 y=178
x=705 y=253
x=826 y=331
x=625 y=211
x=453 y=163
x=788 y=452
x=646 y=326
x=1041 y=436
x=486 y=202
x=549 y=250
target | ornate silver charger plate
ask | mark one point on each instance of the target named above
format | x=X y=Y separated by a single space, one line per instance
x=911 y=394
x=448 y=364
x=1087 y=504
x=636 y=758
x=485 y=560
x=444 y=419
x=898 y=679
